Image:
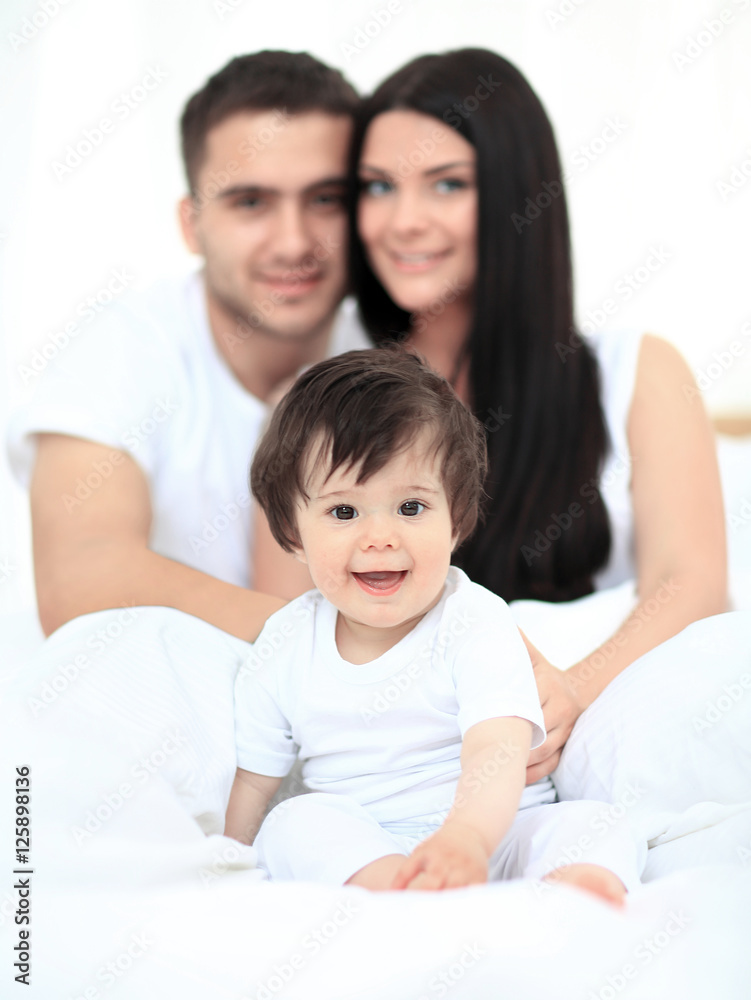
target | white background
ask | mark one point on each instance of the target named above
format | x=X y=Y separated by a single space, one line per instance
x=680 y=95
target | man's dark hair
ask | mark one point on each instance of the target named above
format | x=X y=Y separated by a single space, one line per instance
x=361 y=409
x=262 y=81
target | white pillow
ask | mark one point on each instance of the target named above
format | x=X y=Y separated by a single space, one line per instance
x=670 y=737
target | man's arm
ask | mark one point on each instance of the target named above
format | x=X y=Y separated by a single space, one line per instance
x=248 y=800
x=94 y=555
x=494 y=761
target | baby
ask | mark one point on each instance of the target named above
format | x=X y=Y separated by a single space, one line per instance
x=406 y=689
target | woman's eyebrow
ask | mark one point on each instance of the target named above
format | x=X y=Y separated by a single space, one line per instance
x=450 y=166
x=433 y=170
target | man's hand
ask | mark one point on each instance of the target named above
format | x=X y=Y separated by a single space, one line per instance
x=560 y=709
x=452 y=857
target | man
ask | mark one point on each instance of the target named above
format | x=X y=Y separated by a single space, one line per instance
x=137 y=445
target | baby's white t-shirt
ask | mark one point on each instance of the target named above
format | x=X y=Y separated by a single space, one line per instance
x=386 y=733
x=147 y=378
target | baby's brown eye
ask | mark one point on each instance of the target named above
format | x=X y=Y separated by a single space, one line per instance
x=344 y=513
x=411 y=508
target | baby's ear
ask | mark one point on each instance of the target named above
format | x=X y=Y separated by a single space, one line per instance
x=299 y=553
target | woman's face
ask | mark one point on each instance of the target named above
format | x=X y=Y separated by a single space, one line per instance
x=417 y=213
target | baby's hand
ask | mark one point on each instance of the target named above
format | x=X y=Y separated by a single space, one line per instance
x=454 y=856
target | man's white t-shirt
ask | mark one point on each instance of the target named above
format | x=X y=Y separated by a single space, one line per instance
x=148 y=379
x=387 y=733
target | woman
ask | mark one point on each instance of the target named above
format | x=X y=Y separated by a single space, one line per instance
x=463 y=251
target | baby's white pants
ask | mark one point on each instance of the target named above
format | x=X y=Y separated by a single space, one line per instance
x=327 y=838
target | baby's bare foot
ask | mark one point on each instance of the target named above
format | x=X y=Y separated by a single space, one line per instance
x=592 y=878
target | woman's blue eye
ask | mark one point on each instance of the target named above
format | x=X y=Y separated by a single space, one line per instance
x=447 y=184
x=375 y=189
x=412 y=508
x=344 y=513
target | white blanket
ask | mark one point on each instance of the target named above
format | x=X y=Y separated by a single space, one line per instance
x=126 y=723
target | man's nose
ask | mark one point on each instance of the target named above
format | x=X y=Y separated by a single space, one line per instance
x=292 y=239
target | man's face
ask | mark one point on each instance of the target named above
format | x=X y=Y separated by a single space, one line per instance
x=269 y=218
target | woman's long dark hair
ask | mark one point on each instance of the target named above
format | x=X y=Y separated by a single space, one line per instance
x=534 y=383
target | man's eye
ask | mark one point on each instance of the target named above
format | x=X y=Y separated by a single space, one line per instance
x=250 y=201
x=330 y=198
x=344 y=513
x=412 y=508
x=327 y=205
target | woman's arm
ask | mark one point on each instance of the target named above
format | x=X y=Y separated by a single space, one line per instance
x=679 y=528
x=493 y=759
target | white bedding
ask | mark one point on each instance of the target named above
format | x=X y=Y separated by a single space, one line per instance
x=131 y=750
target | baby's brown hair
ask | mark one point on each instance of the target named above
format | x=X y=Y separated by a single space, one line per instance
x=361 y=409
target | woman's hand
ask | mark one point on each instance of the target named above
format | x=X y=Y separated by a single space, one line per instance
x=560 y=708
x=452 y=857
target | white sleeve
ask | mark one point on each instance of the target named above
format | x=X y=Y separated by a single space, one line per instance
x=115 y=383
x=262 y=732
x=491 y=667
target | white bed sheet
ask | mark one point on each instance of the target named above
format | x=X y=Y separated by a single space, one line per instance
x=132 y=755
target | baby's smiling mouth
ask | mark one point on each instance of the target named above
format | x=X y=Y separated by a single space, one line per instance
x=380 y=581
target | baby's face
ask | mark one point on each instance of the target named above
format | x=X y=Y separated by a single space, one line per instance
x=379 y=551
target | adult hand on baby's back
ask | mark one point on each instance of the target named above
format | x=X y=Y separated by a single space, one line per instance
x=560 y=709
x=452 y=857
